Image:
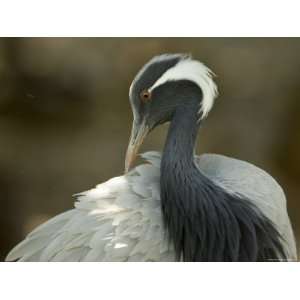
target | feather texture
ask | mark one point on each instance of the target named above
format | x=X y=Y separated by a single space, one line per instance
x=120 y=220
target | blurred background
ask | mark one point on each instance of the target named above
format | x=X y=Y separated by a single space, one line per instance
x=65 y=117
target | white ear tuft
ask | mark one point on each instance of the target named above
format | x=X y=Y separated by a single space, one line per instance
x=189 y=69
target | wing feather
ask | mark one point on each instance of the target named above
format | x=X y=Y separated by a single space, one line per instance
x=118 y=220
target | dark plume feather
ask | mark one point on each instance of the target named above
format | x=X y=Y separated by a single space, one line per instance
x=206 y=223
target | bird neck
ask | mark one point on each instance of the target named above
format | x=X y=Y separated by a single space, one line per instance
x=203 y=221
x=178 y=174
x=179 y=149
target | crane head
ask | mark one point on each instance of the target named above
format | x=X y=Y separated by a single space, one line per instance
x=163 y=84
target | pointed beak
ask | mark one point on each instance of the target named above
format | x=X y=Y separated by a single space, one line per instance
x=138 y=134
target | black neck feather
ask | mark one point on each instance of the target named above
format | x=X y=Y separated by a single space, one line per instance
x=203 y=221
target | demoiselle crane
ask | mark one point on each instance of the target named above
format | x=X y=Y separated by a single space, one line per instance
x=177 y=206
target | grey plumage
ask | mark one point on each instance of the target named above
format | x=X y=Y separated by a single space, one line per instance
x=126 y=211
x=242 y=178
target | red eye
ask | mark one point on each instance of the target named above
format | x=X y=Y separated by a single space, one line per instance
x=145 y=96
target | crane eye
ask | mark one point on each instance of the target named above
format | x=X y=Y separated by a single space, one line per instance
x=145 y=96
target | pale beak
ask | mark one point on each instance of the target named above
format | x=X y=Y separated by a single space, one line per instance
x=138 y=134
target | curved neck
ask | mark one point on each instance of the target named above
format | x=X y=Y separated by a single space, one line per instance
x=182 y=135
x=178 y=171
x=204 y=222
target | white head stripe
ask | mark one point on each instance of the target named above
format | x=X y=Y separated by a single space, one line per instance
x=188 y=69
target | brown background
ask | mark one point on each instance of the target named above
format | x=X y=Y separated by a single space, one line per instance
x=65 y=117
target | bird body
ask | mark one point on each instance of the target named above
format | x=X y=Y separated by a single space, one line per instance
x=178 y=206
x=121 y=219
